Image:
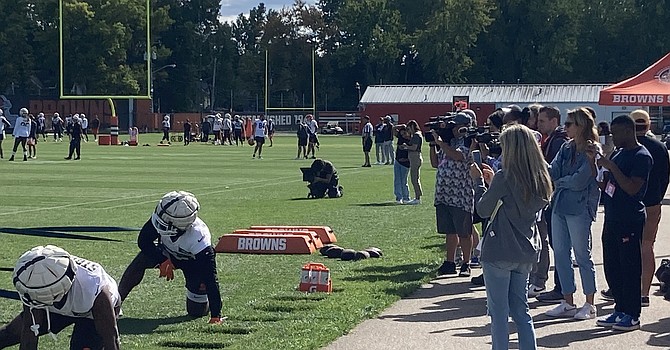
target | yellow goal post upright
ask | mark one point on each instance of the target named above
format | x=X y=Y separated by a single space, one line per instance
x=268 y=108
x=109 y=98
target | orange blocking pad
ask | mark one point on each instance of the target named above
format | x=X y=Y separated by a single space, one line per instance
x=325 y=233
x=104 y=140
x=264 y=244
x=313 y=237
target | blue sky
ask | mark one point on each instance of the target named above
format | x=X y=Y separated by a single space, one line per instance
x=231 y=8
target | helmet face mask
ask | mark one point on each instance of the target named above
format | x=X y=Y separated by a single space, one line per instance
x=175 y=213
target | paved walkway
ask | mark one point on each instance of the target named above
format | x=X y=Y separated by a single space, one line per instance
x=450 y=313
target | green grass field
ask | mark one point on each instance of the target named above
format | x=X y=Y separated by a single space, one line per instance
x=120 y=186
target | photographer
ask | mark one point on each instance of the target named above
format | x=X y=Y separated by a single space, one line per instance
x=324 y=180
x=454 y=193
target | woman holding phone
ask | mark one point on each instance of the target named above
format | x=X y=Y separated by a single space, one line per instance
x=415 y=159
x=511 y=242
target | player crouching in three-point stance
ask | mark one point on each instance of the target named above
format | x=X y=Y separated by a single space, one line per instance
x=184 y=243
x=57 y=290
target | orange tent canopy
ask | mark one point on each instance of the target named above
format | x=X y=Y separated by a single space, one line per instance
x=649 y=88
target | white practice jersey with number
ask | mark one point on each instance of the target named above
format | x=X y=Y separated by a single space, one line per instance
x=89 y=281
x=22 y=127
x=260 y=126
x=313 y=125
x=193 y=241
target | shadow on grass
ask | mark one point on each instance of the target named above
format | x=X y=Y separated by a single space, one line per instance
x=62 y=232
x=9 y=294
x=382 y=204
x=193 y=345
x=129 y=325
x=300 y=297
x=7 y=269
x=301 y=199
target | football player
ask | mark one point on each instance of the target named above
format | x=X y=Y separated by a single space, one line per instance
x=175 y=238
x=21 y=133
x=4 y=123
x=58 y=290
x=75 y=138
x=260 y=132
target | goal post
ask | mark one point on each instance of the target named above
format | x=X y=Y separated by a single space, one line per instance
x=272 y=109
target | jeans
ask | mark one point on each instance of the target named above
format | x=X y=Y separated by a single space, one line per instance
x=400 y=188
x=389 y=153
x=540 y=272
x=506 y=288
x=379 y=150
x=573 y=231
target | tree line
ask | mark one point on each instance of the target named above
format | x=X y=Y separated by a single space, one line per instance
x=354 y=43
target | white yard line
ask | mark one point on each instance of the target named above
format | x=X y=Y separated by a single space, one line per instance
x=263 y=183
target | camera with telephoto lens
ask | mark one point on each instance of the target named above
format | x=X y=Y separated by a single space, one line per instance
x=443 y=126
x=483 y=135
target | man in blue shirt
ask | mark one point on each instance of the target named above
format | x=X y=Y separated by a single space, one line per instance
x=624 y=186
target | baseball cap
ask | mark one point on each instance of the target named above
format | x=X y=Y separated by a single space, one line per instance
x=462 y=118
x=640 y=116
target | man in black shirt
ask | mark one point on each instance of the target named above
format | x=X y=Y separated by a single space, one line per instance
x=75 y=138
x=624 y=186
x=187 y=132
x=656 y=187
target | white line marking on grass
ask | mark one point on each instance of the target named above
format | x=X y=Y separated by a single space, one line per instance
x=209 y=192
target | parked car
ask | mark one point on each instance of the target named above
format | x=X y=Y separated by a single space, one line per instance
x=332 y=128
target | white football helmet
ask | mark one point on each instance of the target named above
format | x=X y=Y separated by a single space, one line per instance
x=82 y=116
x=43 y=276
x=40 y=115
x=175 y=213
x=75 y=118
x=23 y=112
x=166 y=117
x=56 y=115
x=227 y=115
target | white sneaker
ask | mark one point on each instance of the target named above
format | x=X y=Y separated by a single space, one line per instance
x=399 y=201
x=564 y=310
x=534 y=290
x=413 y=202
x=586 y=312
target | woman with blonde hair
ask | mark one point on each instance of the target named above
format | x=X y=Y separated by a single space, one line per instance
x=415 y=160
x=511 y=242
x=574 y=207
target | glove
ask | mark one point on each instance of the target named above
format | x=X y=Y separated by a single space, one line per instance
x=217 y=320
x=166 y=270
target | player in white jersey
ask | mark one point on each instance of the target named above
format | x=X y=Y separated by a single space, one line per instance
x=4 y=123
x=260 y=133
x=312 y=128
x=183 y=242
x=58 y=290
x=84 y=126
x=21 y=133
x=41 y=126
